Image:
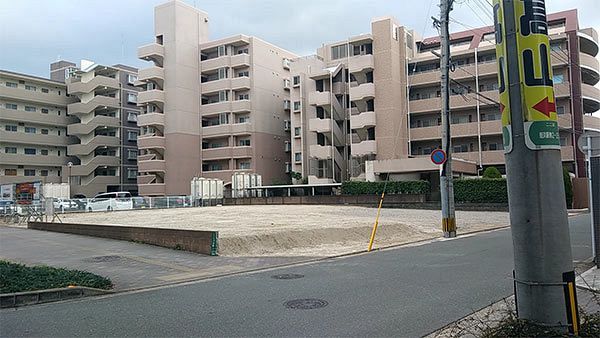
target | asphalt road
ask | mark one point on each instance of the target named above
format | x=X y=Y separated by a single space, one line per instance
x=407 y=291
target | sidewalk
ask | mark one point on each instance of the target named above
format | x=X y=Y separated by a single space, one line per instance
x=129 y=265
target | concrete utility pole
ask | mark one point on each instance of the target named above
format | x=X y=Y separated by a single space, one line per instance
x=446 y=187
x=544 y=277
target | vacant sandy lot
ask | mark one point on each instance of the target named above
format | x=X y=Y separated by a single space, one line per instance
x=298 y=230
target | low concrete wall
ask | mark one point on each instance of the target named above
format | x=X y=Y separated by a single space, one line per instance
x=46 y=296
x=204 y=242
x=364 y=200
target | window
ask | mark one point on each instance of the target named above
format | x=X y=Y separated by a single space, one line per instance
x=243 y=97
x=297 y=131
x=44 y=131
x=44 y=151
x=132 y=135
x=298 y=157
x=132 y=154
x=10 y=127
x=10 y=150
x=10 y=106
x=132 y=117
x=43 y=172
x=296 y=105
x=338 y=52
x=563 y=141
x=222 y=50
x=296 y=80
x=45 y=90
x=32 y=88
x=30 y=151
x=11 y=85
x=558 y=78
x=560 y=110
x=244 y=119
x=131 y=98
x=244 y=74
x=29 y=172
x=244 y=143
x=131 y=173
x=244 y=165
x=223 y=96
x=30 y=108
x=131 y=78
x=223 y=73
x=243 y=51
x=30 y=130
x=556 y=47
x=493 y=146
x=10 y=172
x=44 y=110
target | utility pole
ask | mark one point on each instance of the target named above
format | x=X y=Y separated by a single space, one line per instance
x=446 y=186
x=543 y=275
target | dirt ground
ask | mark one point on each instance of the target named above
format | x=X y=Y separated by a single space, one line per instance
x=298 y=230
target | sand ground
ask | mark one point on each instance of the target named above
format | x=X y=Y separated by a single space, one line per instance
x=298 y=230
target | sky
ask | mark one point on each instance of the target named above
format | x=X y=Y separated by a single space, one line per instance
x=34 y=33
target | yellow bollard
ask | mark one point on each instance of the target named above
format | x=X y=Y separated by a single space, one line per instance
x=376 y=223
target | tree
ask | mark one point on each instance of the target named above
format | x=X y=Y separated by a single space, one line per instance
x=491 y=172
x=568 y=188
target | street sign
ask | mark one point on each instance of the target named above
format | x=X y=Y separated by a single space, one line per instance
x=582 y=143
x=438 y=157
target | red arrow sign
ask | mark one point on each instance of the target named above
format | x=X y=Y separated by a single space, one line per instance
x=545 y=107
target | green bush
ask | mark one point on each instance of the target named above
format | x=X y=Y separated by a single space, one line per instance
x=568 y=188
x=481 y=190
x=17 y=278
x=393 y=187
x=492 y=172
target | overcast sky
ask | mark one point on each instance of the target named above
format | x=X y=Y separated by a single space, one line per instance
x=34 y=33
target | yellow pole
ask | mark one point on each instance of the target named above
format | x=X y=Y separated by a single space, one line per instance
x=573 y=308
x=376 y=222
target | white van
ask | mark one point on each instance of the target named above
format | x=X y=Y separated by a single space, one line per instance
x=111 y=201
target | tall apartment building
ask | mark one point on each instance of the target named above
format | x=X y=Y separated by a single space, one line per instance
x=210 y=108
x=370 y=106
x=33 y=128
x=85 y=118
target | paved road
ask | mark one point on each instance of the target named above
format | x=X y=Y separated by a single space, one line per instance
x=407 y=291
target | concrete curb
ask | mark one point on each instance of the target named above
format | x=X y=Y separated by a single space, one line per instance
x=8 y=300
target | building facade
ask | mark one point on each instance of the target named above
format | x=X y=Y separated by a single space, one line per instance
x=209 y=108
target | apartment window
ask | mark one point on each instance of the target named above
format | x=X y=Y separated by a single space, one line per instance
x=10 y=150
x=560 y=110
x=244 y=143
x=10 y=172
x=244 y=74
x=30 y=108
x=558 y=78
x=131 y=98
x=463 y=148
x=30 y=151
x=223 y=73
x=556 y=47
x=223 y=95
x=44 y=131
x=298 y=157
x=10 y=127
x=244 y=165
x=296 y=105
x=32 y=88
x=44 y=110
x=296 y=80
x=44 y=151
x=493 y=146
x=243 y=97
x=243 y=51
x=10 y=106
x=338 y=52
x=43 y=172
x=222 y=50
x=297 y=131
x=563 y=141
x=12 y=85
x=131 y=173
x=132 y=116
x=45 y=90
x=132 y=154
x=224 y=118
x=131 y=78
x=132 y=135
x=30 y=130
x=244 y=119
x=29 y=172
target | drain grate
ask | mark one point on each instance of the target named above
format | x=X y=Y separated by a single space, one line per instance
x=103 y=259
x=287 y=276
x=305 y=304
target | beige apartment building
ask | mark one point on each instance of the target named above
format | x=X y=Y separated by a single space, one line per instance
x=370 y=106
x=210 y=108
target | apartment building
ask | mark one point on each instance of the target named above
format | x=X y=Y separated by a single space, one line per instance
x=370 y=105
x=209 y=108
x=33 y=128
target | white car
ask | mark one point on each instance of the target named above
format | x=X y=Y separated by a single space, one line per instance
x=64 y=204
x=111 y=201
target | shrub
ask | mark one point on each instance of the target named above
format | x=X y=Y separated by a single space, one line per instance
x=491 y=172
x=568 y=188
x=481 y=190
x=393 y=187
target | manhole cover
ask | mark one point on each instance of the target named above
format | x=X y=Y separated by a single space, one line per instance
x=287 y=276
x=305 y=304
x=102 y=259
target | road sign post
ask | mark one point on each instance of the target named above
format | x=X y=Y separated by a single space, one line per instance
x=538 y=214
x=589 y=144
x=438 y=156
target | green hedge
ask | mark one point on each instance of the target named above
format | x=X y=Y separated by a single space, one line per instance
x=481 y=190
x=370 y=188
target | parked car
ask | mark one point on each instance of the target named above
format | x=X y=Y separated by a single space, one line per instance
x=64 y=204
x=139 y=202
x=111 y=201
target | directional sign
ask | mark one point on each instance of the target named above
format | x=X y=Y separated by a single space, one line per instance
x=438 y=157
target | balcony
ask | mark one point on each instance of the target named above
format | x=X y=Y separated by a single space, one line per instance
x=151 y=119
x=491 y=157
x=88 y=168
x=35 y=160
x=360 y=63
x=90 y=126
x=566 y=153
x=153 y=189
x=591 y=122
x=235 y=61
x=320 y=152
x=26 y=138
x=89 y=147
x=588 y=41
x=241 y=105
x=235 y=83
x=76 y=87
x=363 y=148
x=456 y=102
x=155 y=96
x=362 y=92
x=33 y=117
x=82 y=108
x=35 y=96
x=152 y=52
x=227 y=129
x=319 y=98
x=226 y=106
x=319 y=125
x=153 y=73
x=362 y=120
x=591 y=98
x=151 y=166
x=590 y=68
x=151 y=142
